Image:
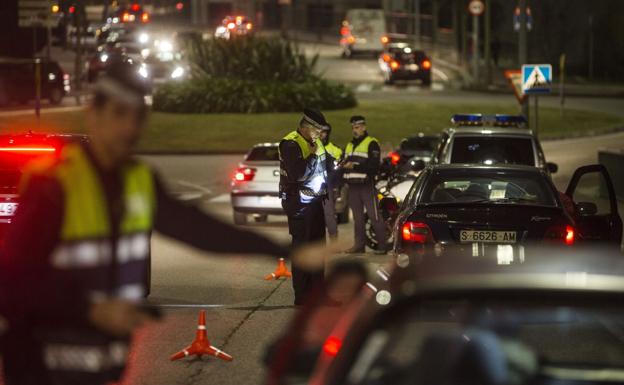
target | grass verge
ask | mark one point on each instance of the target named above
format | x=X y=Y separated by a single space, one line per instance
x=388 y=121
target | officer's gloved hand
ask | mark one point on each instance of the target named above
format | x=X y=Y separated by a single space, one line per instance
x=312 y=257
x=117 y=317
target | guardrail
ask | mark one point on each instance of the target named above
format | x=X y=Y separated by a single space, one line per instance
x=613 y=160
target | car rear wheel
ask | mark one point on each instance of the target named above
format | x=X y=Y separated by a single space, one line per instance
x=261 y=218
x=56 y=96
x=240 y=218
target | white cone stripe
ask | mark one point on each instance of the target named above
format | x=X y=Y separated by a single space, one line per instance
x=186 y=353
x=273 y=275
x=201 y=327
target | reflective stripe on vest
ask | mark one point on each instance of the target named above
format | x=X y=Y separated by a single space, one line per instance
x=359 y=154
x=81 y=358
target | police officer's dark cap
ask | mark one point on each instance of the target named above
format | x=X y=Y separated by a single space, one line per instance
x=122 y=82
x=357 y=119
x=315 y=118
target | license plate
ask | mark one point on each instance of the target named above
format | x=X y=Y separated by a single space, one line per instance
x=470 y=236
x=412 y=67
x=7 y=209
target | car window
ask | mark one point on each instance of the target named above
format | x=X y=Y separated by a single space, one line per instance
x=445 y=342
x=493 y=150
x=261 y=153
x=498 y=188
x=419 y=144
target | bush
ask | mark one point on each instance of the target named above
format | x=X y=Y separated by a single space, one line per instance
x=250 y=75
x=210 y=95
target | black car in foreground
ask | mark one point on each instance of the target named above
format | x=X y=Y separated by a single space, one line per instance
x=555 y=319
x=400 y=61
x=484 y=209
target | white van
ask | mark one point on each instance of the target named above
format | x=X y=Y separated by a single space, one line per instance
x=363 y=31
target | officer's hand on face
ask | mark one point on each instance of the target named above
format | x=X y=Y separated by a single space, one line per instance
x=312 y=257
x=117 y=317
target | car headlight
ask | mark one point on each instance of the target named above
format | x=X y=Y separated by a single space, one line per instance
x=103 y=58
x=221 y=30
x=165 y=46
x=145 y=53
x=143 y=38
x=143 y=71
x=178 y=72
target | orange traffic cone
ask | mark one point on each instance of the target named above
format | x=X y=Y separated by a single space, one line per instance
x=201 y=345
x=280 y=271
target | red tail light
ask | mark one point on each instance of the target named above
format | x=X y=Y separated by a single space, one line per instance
x=245 y=174
x=565 y=234
x=386 y=58
x=145 y=17
x=180 y=6
x=125 y=17
x=394 y=65
x=135 y=7
x=72 y=9
x=27 y=149
x=426 y=64
x=394 y=158
x=249 y=26
x=417 y=232
x=332 y=346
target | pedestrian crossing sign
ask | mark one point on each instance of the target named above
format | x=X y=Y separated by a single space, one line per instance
x=536 y=78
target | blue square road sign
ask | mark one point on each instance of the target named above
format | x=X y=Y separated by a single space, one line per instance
x=536 y=78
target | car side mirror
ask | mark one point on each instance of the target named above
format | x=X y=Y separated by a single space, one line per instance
x=587 y=208
x=552 y=167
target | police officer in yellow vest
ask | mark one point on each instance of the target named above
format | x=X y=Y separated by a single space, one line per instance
x=360 y=165
x=334 y=156
x=76 y=257
x=303 y=187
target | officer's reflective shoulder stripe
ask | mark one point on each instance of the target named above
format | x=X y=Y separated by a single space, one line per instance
x=333 y=150
x=140 y=198
x=360 y=154
x=320 y=147
x=85 y=205
x=300 y=140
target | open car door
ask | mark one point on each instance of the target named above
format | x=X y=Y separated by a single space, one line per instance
x=597 y=214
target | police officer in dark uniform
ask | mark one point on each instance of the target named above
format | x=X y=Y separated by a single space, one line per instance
x=360 y=165
x=334 y=156
x=303 y=187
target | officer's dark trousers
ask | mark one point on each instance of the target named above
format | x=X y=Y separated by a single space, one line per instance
x=306 y=223
x=329 y=209
x=362 y=196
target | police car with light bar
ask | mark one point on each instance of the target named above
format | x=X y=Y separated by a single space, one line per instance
x=490 y=140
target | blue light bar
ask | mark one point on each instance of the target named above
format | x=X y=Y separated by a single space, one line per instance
x=467 y=119
x=510 y=120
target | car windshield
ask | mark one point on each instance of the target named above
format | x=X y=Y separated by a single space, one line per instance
x=419 y=144
x=493 y=342
x=263 y=153
x=493 y=150
x=498 y=188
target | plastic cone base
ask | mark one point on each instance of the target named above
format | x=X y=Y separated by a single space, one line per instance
x=201 y=345
x=280 y=271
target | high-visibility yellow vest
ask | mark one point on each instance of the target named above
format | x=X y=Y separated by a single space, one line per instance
x=313 y=184
x=357 y=154
x=96 y=263
x=333 y=150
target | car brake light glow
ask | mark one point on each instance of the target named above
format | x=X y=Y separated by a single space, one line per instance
x=386 y=57
x=394 y=65
x=416 y=232
x=332 y=346
x=559 y=233
x=245 y=174
x=135 y=7
x=569 y=238
x=125 y=17
x=145 y=17
x=394 y=158
x=249 y=26
x=426 y=64
x=231 y=25
x=27 y=149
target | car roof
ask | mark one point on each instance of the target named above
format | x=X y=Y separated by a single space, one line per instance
x=449 y=167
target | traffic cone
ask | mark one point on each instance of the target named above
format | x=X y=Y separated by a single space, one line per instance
x=280 y=271
x=201 y=346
